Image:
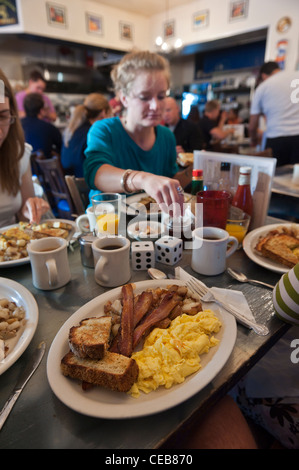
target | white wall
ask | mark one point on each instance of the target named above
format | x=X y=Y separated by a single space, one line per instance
x=261 y=14
x=34 y=21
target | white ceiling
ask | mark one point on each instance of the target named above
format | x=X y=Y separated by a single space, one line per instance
x=144 y=7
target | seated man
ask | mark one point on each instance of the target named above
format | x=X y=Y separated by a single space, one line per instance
x=212 y=124
x=187 y=134
x=38 y=133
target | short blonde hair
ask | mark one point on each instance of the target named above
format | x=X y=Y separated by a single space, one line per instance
x=124 y=73
x=212 y=105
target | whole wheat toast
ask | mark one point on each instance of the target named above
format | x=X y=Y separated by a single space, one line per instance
x=90 y=339
x=114 y=371
x=280 y=246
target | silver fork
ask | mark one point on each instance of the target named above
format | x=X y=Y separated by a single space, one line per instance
x=206 y=295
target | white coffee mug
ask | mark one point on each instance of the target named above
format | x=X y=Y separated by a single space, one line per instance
x=112 y=261
x=86 y=222
x=209 y=251
x=49 y=262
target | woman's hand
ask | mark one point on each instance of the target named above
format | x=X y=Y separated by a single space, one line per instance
x=166 y=191
x=34 y=208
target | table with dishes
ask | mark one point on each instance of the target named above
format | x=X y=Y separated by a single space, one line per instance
x=54 y=412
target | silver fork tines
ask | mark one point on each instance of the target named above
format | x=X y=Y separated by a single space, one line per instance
x=206 y=295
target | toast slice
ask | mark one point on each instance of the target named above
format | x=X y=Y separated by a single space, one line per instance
x=114 y=371
x=90 y=339
x=280 y=248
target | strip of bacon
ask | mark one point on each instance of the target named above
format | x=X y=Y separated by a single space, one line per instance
x=141 y=307
x=169 y=301
x=125 y=340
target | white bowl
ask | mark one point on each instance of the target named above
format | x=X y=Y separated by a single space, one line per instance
x=146 y=230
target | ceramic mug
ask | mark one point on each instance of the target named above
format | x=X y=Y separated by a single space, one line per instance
x=86 y=222
x=111 y=261
x=49 y=263
x=209 y=251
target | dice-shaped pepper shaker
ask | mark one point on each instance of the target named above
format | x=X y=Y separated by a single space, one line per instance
x=168 y=250
x=142 y=255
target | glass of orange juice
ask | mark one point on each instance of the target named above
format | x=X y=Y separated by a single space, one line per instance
x=107 y=208
x=237 y=224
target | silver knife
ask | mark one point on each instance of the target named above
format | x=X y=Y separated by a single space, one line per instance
x=25 y=375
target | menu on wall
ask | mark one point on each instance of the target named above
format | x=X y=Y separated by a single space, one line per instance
x=8 y=13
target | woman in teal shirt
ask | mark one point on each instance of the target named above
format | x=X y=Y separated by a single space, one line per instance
x=135 y=152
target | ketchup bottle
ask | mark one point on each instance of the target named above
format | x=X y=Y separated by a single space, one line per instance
x=243 y=197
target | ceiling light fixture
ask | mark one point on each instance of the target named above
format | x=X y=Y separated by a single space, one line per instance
x=170 y=42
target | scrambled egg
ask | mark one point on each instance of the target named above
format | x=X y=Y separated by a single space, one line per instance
x=170 y=355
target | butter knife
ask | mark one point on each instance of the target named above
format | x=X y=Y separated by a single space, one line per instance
x=25 y=375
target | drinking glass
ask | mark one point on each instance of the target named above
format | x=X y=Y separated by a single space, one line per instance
x=107 y=209
x=215 y=207
x=237 y=223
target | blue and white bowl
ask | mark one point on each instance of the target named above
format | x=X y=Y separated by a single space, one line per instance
x=286 y=296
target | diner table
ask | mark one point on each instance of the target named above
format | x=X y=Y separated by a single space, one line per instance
x=39 y=420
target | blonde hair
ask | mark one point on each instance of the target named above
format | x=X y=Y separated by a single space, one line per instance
x=13 y=146
x=212 y=105
x=92 y=106
x=124 y=73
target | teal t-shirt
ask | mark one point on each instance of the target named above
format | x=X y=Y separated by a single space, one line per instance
x=108 y=142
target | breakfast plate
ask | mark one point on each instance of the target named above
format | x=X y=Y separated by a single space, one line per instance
x=18 y=262
x=251 y=240
x=22 y=297
x=101 y=403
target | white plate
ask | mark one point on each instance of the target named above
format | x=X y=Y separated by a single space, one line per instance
x=251 y=240
x=22 y=297
x=134 y=201
x=101 y=403
x=18 y=262
x=157 y=230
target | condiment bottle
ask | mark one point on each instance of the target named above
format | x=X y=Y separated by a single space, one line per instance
x=243 y=197
x=224 y=182
x=197 y=181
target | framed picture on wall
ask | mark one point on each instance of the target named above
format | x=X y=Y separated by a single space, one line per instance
x=94 y=24
x=126 y=31
x=56 y=14
x=200 y=19
x=169 y=29
x=238 y=10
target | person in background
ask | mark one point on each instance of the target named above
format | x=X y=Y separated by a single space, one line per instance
x=212 y=122
x=135 y=152
x=36 y=84
x=17 y=198
x=233 y=116
x=187 y=134
x=41 y=135
x=275 y=98
x=94 y=108
x=116 y=106
x=194 y=115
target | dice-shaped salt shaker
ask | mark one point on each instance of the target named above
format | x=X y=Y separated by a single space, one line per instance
x=142 y=255
x=168 y=250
